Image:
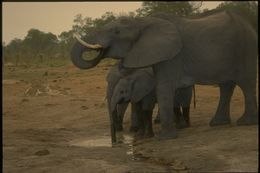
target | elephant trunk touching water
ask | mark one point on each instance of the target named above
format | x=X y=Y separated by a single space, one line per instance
x=217 y=48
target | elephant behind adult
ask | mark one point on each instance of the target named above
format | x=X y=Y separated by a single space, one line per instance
x=181 y=107
x=220 y=48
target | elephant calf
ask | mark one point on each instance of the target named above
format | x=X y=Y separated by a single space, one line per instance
x=137 y=87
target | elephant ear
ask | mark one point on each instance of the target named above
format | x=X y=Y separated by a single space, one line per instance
x=143 y=85
x=160 y=40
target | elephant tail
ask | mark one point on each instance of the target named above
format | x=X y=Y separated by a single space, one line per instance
x=194 y=97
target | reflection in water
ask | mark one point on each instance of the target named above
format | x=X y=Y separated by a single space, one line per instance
x=127 y=141
x=123 y=140
x=99 y=142
x=104 y=141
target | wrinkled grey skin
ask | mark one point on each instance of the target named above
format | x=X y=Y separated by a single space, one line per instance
x=216 y=49
x=181 y=107
x=137 y=87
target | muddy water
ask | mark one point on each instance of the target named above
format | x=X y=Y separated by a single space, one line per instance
x=128 y=142
x=123 y=140
x=99 y=142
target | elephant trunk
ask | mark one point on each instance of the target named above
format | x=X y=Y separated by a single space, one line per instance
x=112 y=114
x=76 y=57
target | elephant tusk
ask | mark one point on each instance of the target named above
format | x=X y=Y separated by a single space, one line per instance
x=92 y=46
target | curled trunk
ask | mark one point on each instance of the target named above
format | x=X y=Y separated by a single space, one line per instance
x=76 y=57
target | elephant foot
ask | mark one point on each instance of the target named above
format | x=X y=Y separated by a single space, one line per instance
x=119 y=128
x=248 y=120
x=157 y=120
x=149 y=134
x=140 y=134
x=219 y=121
x=182 y=123
x=182 y=126
x=172 y=134
x=133 y=129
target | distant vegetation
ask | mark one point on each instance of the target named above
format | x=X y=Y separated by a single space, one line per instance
x=41 y=49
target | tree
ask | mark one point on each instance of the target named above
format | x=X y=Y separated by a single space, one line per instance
x=82 y=24
x=105 y=18
x=39 y=42
x=66 y=41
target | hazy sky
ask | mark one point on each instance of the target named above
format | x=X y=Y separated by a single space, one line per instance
x=55 y=17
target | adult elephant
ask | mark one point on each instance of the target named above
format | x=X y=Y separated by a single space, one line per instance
x=219 y=48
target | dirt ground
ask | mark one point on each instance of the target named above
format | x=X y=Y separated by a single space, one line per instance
x=56 y=120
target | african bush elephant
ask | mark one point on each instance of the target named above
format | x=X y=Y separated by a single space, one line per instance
x=137 y=87
x=215 y=48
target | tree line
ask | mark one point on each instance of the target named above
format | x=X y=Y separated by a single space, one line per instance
x=39 y=46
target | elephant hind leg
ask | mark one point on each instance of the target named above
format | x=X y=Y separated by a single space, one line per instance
x=186 y=115
x=180 y=120
x=250 y=116
x=222 y=115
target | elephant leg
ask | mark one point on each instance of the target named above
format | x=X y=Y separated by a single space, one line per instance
x=113 y=119
x=134 y=118
x=121 y=108
x=180 y=120
x=140 y=118
x=165 y=100
x=147 y=117
x=222 y=115
x=157 y=118
x=250 y=116
x=186 y=115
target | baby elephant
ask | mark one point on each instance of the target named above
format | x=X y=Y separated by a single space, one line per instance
x=135 y=87
x=138 y=88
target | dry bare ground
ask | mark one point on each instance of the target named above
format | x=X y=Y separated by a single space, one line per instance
x=55 y=120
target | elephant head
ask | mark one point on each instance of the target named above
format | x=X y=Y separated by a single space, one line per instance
x=132 y=88
x=138 y=42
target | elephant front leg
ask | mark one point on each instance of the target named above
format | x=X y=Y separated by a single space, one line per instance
x=222 y=114
x=112 y=116
x=134 y=118
x=121 y=108
x=165 y=95
x=147 y=116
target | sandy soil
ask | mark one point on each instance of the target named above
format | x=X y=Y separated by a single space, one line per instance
x=63 y=127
